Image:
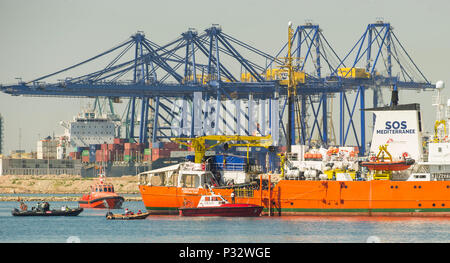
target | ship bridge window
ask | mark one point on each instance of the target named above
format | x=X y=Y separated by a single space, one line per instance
x=172 y=180
x=158 y=179
x=190 y=180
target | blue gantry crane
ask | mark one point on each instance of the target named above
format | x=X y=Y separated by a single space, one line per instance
x=315 y=58
x=189 y=68
x=370 y=64
x=209 y=82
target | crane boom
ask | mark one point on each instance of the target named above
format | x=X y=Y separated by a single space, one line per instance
x=200 y=148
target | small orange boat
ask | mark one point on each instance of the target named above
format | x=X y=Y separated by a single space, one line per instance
x=102 y=195
x=389 y=166
x=385 y=163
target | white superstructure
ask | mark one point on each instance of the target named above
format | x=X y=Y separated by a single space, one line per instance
x=400 y=128
x=188 y=175
x=87 y=128
x=437 y=167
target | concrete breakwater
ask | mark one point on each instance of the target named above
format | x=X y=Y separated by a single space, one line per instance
x=66 y=187
x=54 y=198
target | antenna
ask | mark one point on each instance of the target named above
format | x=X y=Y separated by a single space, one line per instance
x=437 y=100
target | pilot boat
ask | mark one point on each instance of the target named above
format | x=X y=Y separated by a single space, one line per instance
x=102 y=195
x=216 y=205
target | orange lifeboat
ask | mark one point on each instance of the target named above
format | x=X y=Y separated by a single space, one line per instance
x=102 y=195
x=312 y=156
x=389 y=166
x=385 y=163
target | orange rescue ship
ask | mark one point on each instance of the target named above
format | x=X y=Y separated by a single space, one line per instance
x=311 y=192
x=302 y=197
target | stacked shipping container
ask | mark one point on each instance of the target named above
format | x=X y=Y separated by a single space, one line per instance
x=123 y=151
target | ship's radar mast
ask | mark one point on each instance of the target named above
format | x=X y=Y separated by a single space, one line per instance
x=440 y=127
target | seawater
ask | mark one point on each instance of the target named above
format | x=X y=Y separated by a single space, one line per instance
x=91 y=226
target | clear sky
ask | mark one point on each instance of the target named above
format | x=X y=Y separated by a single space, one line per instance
x=40 y=37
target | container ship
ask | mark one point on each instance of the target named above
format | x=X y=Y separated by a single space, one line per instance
x=92 y=140
x=324 y=181
x=89 y=142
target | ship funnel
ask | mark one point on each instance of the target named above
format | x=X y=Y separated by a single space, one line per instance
x=400 y=127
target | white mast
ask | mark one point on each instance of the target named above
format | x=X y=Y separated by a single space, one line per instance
x=441 y=123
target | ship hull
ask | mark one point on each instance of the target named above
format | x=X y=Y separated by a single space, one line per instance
x=110 y=202
x=71 y=212
x=245 y=210
x=388 y=166
x=311 y=198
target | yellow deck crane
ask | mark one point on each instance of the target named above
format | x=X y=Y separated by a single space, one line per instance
x=200 y=148
x=291 y=88
x=436 y=137
x=381 y=157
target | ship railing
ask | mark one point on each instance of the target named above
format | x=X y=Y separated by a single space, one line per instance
x=256 y=168
x=228 y=166
x=236 y=167
x=441 y=177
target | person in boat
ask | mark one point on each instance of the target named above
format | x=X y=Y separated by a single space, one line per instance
x=43 y=206
x=139 y=212
x=232 y=197
x=23 y=206
x=128 y=212
x=46 y=206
